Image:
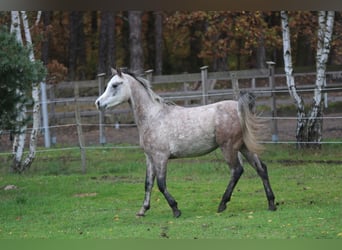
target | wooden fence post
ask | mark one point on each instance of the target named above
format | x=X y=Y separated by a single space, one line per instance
x=79 y=129
x=149 y=76
x=235 y=86
x=47 y=139
x=204 y=77
x=101 y=77
x=326 y=105
x=52 y=113
x=186 y=89
x=273 y=104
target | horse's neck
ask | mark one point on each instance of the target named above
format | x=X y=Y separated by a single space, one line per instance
x=144 y=108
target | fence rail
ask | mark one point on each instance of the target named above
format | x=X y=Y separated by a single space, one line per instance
x=270 y=87
x=185 y=95
x=188 y=94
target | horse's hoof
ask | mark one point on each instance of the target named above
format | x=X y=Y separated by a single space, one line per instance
x=272 y=208
x=221 y=208
x=140 y=214
x=177 y=213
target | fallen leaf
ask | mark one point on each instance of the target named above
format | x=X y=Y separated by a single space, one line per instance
x=85 y=195
x=10 y=187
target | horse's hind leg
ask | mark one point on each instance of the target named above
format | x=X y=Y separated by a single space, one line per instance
x=236 y=170
x=261 y=169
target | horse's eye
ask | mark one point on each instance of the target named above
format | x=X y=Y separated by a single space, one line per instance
x=114 y=86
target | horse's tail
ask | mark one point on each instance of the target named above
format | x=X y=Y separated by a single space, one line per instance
x=253 y=127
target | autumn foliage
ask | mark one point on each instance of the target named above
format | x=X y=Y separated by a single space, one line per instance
x=223 y=40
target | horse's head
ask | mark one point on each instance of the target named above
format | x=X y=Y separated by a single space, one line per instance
x=117 y=91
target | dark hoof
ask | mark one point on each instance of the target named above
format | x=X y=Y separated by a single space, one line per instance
x=177 y=213
x=272 y=207
x=221 y=208
x=139 y=215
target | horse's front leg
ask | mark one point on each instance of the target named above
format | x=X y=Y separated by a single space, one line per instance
x=160 y=166
x=161 y=180
x=149 y=180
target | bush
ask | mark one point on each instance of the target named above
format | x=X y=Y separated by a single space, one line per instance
x=17 y=73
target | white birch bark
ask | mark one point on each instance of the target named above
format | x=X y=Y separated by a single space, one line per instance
x=325 y=29
x=15 y=25
x=289 y=77
x=19 y=139
x=35 y=97
x=39 y=15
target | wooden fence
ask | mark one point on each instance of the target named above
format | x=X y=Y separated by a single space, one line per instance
x=204 y=89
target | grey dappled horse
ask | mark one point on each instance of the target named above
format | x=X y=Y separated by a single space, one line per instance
x=169 y=131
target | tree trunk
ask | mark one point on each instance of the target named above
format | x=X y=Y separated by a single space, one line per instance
x=309 y=128
x=111 y=42
x=72 y=45
x=77 y=53
x=19 y=141
x=15 y=25
x=195 y=47
x=261 y=54
x=101 y=68
x=106 y=43
x=19 y=138
x=135 y=42
x=301 y=122
x=35 y=97
x=315 y=120
x=81 y=50
x=158 y=23
x=47 y=36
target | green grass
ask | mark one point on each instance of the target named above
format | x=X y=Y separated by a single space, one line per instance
x=54 y=200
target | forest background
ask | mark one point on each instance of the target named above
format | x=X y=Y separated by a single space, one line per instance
x=78 y=45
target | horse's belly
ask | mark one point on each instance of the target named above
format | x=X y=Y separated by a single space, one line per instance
x=192 y=153
x=189 y=147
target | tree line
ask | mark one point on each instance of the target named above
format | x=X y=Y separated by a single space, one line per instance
x=78 y=45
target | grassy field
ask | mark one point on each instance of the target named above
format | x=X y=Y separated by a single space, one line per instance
x=54 y=200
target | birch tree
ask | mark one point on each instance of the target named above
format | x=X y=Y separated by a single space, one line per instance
x=315 y=119
x=19 y=139
x=20 y=165
x=309 y=127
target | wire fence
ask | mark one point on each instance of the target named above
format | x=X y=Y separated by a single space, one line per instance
x=125 y=132
x=125 y=135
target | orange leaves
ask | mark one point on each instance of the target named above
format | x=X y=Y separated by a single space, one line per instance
x=56 y=72
x=225 y=33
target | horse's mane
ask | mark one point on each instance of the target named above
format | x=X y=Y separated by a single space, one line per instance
x=147 y=86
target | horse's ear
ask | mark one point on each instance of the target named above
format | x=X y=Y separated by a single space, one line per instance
x=118 y=71
x=114 y=72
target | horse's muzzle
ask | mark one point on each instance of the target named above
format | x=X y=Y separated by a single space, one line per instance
x=98 y=104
